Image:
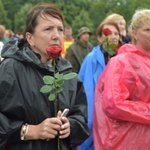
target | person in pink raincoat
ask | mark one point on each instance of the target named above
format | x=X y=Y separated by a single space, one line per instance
x=122 y=96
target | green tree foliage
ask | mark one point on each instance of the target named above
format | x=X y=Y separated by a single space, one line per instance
x=3 y=15
x=20 y=17
x=76 y=13
x=132 y=6
x=98 y=11
x=82 y=20
x=69 y=11
x=12 y=7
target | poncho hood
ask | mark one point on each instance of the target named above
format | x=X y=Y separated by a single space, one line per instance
x=131 y=48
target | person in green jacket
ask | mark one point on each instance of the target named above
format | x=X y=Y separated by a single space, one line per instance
x=79 y=49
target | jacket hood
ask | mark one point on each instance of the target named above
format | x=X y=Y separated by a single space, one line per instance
x=17 y=50
x=132 y=48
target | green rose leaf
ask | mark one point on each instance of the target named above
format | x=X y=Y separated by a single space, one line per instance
x=52 y=97
x=59 y=90
x=109 y=47
x=69 y=76
x=45 y=89
x=59 y=83
x=113 y=46
x=48 y=79
x=110 y=51
x=58 y=76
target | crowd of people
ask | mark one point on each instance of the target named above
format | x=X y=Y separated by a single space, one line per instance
x=7 y=35
x=108 y=100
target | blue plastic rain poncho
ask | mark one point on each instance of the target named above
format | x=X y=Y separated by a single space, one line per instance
x=91 y=68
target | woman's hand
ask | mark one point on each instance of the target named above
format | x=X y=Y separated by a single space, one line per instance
x=65 y=128
x=48 y=129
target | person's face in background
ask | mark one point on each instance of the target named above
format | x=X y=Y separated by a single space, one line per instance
x=2 y=32
x=113 y=38
x=142 y=36
x=1 y=35
x=49 y=31
x=122 y=26
x=7 y=34
x=68 y=33
x=84 y=38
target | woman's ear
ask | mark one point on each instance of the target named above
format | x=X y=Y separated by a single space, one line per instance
x=134 y=36
x=29 y=38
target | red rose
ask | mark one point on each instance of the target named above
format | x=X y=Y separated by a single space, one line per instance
x=107 y=31
x=54 y=51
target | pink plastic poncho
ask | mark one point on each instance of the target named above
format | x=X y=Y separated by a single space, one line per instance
x=122 y=102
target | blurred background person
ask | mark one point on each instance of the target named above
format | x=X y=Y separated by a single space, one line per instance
x=67 y=40
x=92 y=67
x=9 y=34
x=121 y=22
x=79 y=49
x=122 y=96
x=3 y=38
x=19 y=35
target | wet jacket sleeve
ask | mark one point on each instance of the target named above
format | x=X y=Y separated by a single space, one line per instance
x=125 y=93
x=9 y=125
x=78 y=117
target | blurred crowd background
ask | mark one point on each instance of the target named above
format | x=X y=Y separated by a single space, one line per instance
x=77 y=13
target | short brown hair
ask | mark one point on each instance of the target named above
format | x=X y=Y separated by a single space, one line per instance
x=38 y=10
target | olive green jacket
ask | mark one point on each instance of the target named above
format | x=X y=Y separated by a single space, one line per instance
x=77 y=52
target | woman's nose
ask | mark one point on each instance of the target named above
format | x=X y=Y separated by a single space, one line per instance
x=112 y=36
x=55 y=34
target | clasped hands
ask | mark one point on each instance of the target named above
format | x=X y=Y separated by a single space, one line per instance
x=50 y=128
